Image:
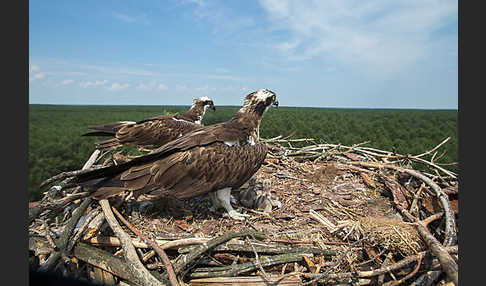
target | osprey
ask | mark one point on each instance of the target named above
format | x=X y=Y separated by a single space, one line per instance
x=214 y=159
x=152 y=132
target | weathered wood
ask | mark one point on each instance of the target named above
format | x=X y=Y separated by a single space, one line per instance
x=450 y=227
x=77 y=236
x=164 y=244
x=234 y=270
x=246 y=281
x=448 y=264
x=66 y=234
x=93 y=226
x=155 y=246
x=264 y=249
x=104 y=260
x=375 y=272
x=53 y=205
x=187 y=259
x=135 y=266
x=46 y=204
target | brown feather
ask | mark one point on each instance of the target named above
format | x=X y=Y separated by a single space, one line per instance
x=149 y=133
x=197 y=163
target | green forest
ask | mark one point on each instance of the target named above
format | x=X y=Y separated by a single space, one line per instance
x=56 y=144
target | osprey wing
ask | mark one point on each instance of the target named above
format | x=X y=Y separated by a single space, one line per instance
x=190 y=173
x=154 y=133
x=200 y=137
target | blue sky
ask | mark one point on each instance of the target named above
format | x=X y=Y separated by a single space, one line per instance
x=320 y=53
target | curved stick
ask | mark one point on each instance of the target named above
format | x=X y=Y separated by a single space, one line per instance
x=154 y=245
x=136 y=267
x=450 y=227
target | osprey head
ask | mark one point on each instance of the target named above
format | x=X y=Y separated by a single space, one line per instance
x=260 y=101
x=204 y=102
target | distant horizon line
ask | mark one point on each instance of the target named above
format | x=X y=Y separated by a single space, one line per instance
x=330 y=107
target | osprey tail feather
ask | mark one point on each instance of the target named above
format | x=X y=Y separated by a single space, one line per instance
x=107 y=129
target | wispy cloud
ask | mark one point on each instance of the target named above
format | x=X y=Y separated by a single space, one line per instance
x=34 y=68
x=141 y=19
x=40 y=75
x=225 y=21
x=67 y=82
x=87 y=84
x=152 y=85
x=162 y=86
x=377 y=36
x=37 y=76
x=117 y=86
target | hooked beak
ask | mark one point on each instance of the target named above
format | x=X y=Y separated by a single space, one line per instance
x=275 y=103
x=212 y=107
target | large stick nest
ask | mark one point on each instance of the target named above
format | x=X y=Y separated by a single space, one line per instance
x=322 y=213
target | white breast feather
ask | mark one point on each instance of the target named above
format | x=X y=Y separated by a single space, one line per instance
x=232 y=143
x=180 y=120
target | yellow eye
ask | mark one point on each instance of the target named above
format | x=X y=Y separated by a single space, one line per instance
x=273 y=97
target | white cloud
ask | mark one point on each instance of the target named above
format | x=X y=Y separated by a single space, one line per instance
x=142 y=18
x=152 y=85
x=87 y=84
x=100 y=82
x=67 y=82
x=197 y=2
x=123 y=17
x=221 y=70
x=39 y=75
x=376 y=36
x=34 y=68
x=225 y=21
x=146 y=86
x=162 y=87
x=117 y=86
x=181 y=87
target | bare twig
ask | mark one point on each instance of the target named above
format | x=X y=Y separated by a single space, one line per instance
x=136 y=267
x=186 y=259
x=450 y=228
x=154 y=245
x=409 y=275
x=433 y=149
x=63 y=240
x=257 y=259
x=233 y=270
x=47 y=204
x=375 y=272
x=448 y=264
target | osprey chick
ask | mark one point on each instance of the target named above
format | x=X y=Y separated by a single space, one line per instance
x=152 y=132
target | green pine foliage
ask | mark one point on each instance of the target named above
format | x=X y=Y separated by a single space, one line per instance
x=56 y=144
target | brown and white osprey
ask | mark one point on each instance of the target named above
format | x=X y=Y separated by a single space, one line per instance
x=213 y=159
x=152 y=132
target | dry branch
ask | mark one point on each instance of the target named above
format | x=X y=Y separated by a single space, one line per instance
x=104 y=260
x=88 y=166
x=264 y=248
x=448 y=264
x=136 y=268
x=234 y=270
x=66 y=234
x=450 y=228
x=376 y=272
x=47 y=204
x=289 y=280
x=187 y=259
x=155 y=246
